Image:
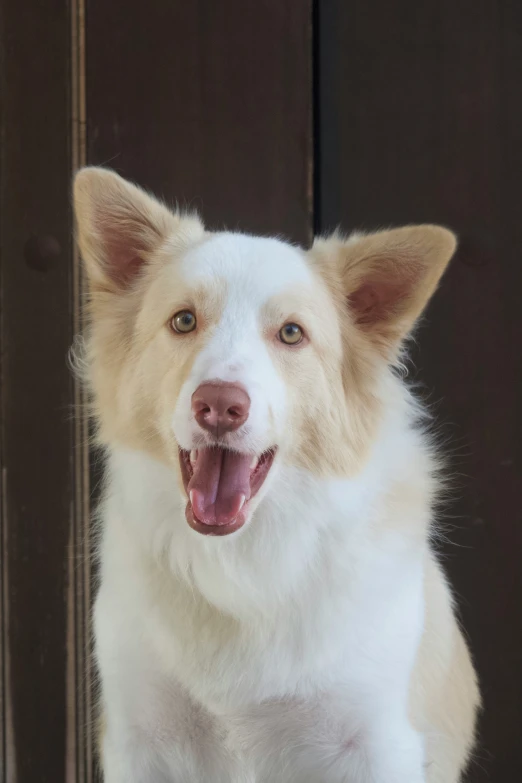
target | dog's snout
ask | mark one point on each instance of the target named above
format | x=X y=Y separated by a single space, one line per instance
x=220 y=407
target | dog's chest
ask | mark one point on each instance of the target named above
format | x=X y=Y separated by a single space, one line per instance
x=318 y=640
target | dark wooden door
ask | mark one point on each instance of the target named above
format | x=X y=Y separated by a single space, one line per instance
x=420 y=120
x=37 y=514
x=208 y=104
x=273 y=116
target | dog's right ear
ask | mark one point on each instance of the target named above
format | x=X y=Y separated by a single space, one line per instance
x=119 y=227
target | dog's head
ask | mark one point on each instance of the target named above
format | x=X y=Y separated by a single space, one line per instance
x=227 y=356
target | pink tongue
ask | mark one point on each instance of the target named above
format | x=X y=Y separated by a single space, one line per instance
x=220 y=484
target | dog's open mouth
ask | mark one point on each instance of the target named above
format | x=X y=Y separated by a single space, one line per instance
x=220 y=485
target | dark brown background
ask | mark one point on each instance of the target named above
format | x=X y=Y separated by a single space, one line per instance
x=271 y=116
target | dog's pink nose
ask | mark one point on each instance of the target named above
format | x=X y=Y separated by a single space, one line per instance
x=220 y=407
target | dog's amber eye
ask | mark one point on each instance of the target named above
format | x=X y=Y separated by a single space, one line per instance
x=291 y=334
x=183 y=322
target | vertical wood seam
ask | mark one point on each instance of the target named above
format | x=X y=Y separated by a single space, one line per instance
x=80 y=677
x=3 y=507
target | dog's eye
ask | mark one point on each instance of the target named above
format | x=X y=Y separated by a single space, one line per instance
x=291 y=334
x=183 y=322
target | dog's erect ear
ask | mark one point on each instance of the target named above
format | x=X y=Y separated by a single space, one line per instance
x=120 y=226
x=388 y=277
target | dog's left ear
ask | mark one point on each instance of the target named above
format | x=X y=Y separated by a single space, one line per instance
x=388 y=277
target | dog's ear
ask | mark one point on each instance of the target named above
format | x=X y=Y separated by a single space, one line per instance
x=119 y=227
x=388 y=277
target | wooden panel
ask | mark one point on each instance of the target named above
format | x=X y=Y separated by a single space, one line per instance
x=421 y=120
x=37 y=456
x=207 y=103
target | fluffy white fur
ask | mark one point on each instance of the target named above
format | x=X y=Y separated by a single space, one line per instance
x=317 y=644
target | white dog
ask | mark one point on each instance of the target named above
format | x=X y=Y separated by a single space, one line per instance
x=270 y=607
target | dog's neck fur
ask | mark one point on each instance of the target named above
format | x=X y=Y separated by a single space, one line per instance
x=302 y=529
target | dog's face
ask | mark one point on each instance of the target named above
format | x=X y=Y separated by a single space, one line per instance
x=228 y=356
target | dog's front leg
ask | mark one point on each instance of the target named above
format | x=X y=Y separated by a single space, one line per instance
x=154 y=731
x=129 y=759
x=184 y=747
x=394 y=750
x=328 y=741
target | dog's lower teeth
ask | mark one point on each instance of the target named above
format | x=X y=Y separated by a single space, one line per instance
x=243 y=498
x=193 y=457
x=254 y=462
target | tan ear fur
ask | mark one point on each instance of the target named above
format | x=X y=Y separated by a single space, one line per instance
x=119 y=227
x=388 y=277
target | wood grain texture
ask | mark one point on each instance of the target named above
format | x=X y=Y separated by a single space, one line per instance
x=208 y=104
x=420 y=120
x=35 y=245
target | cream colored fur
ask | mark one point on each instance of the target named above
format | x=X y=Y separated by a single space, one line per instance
x=318 y=643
